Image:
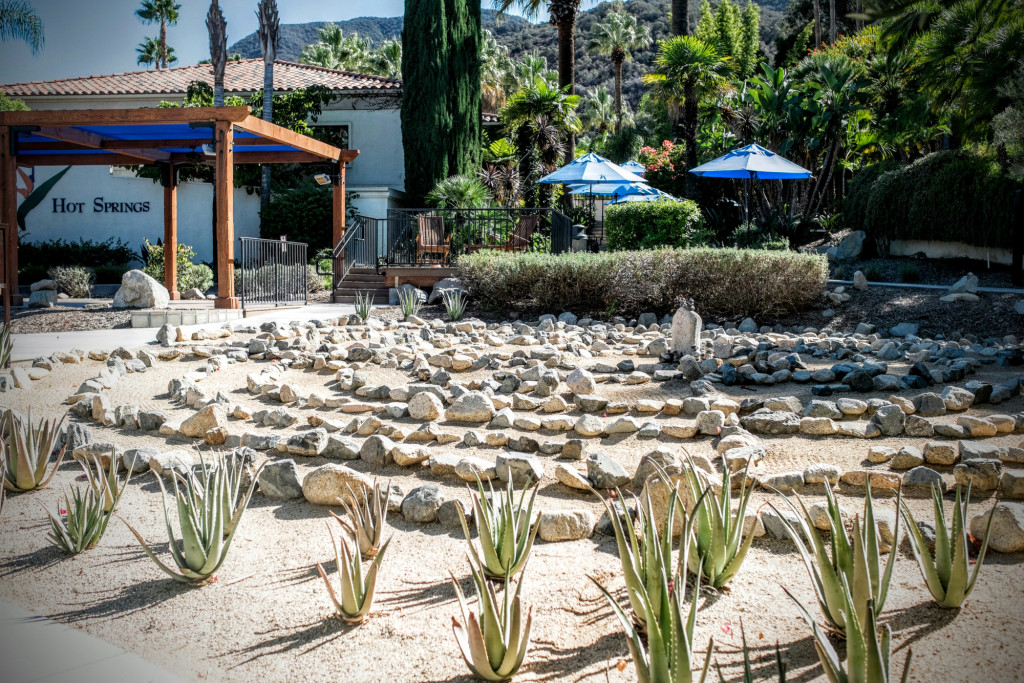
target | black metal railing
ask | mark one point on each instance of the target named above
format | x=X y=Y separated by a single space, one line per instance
x=271 y=272
x=357 y=249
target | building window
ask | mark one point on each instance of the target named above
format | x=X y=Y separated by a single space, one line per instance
x=333 y=135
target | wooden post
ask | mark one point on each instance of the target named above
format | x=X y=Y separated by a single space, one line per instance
x=170 y=183
x=9 y=213
x=338 y=188
x=224 y=189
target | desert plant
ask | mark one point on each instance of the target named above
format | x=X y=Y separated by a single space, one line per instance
x=505 y=533
x=494 y=640
x=748 y=669
x=363 y=305
x=408 y=301
x=366 y=517
x=6 y=345
x=357 y=588
x=205 y=537
x=867 y=646
x=75 y=281
x=27 y=449
x=852 y=566
x=106 y=483
x=717 y=548
x=454 y=303
x=81 y=521
x=947 y=574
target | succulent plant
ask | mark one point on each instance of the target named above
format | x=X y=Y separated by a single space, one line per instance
x=233 y=467
x=6 y=345
x=947 y=574
x=506 y=536
x=106 y=483
x=748 y=669
x=27 y=449
x=717 y=544
x=867 y=646
x=205 y=537
x=363 y=305
x=493 y=640
x=855 y=566
x=367 y=517
x=81 y=522
x=454 y=303
x=408 y=301
x=357 y=588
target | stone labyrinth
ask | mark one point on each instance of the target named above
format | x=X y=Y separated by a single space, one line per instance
x=568 y=403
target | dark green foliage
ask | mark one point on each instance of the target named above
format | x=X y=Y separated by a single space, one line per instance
x=956 y=196
x=464 y=37
x=753 y=236
x=721 y=281
x=59 y=252
x=303 y=214
x=646 y=225
x=858 y=192
x=910 y=273
x=426 y=118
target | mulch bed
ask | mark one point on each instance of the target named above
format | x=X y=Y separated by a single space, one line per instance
x=67 y=319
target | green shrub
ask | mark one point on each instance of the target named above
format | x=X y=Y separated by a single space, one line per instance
x=721 y=281
x=304 y=214
x=858 y=192
x=874 y=274
x=190 y=275
x=909 y=272
x=110 y=275
x=198 y=276
x=752 y=236
x=75 y=281
x=662 y=223
x=111 y=252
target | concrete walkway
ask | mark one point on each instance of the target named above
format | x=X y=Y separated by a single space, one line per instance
x=37 y=649
x=30 y=346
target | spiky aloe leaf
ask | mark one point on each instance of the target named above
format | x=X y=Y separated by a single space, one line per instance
x=26 y=450
x=357 y=587
x=367 y=515
x=505 y=530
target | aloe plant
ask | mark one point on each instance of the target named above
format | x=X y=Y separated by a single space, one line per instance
x=855 y=566
x=408 y=301
x=717 y=544
x=493 y=640
x=106 y=483
x=506 y=531
x=357 y=587
x=867 y=646
x=366 y=518
x=6 y=345
x=205 y=537
x=454 y=303
x=748 y=669
x=947 y=574
x=233 y=467
x=81 y=522
x=363 y=305
x=26 y=450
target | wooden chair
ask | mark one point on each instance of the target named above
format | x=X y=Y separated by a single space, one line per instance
x=431 y=238
x=519 y=240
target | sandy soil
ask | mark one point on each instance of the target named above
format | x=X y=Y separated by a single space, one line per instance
x=268 y=614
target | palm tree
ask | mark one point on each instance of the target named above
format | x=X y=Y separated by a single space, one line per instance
x=616 y=36
x=562 y=15
x=687 y=70
x=269 y=34
x=19 y=21
x=496 y=69
x=218 y=29
x=161 y=12
x=527 y=70
x=334 y=50
x=149 y=52
x=386 y=60
x=599 y=113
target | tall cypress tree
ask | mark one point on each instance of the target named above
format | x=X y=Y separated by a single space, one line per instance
x=426 y=118
x=464 y=36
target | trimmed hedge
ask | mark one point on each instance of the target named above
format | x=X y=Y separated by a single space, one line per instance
x=720 y=281
x=661 y=223
x=952 y=196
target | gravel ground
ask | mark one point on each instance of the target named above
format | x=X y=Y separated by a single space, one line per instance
x=64 y=318
x=268 y=615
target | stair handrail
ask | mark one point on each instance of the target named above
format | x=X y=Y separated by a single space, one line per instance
x=342 y=250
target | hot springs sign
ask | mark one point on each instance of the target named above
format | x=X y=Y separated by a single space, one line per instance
x=62 y=205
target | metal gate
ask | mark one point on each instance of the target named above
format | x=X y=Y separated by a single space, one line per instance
x=272 y=272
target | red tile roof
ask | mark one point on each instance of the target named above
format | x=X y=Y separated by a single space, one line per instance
x=243 y=76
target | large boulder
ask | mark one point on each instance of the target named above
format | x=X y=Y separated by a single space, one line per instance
x=446 y=285
x=473 y=406
x=42 y=298
x=849 y=248
x=1007 y=533
x=139 y=290
x=328 y=483
x=210 y=417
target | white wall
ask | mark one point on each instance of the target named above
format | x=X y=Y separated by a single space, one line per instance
x=83 y=185
x=936 y=249
x=377 y=134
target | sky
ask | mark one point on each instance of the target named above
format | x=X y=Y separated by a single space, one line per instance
x=100 y=36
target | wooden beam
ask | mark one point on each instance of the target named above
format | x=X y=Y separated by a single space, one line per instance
x=284 y=136
x=85 y=139
x=170 y=183
x=9 y=214
x=338 y=205
x=80 y=160
x=277 y=158
x=224 y=189
x=114 y=117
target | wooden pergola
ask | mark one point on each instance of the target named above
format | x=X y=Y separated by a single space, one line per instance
x=169 y=138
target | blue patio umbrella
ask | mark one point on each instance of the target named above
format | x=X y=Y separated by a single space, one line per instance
x=614 y=189
x=590 y=169
x=642 y=194
x=634 y=166
x=751 y=162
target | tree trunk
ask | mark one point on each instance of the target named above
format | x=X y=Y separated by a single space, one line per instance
x=831 y=22
x=680 y=18
x=567 y=70
x=689 y=130
x=163 y=43
x=268 y=115
x=817 y=24
x=617 y=63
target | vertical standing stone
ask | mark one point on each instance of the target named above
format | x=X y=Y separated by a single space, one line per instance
x=686 y=326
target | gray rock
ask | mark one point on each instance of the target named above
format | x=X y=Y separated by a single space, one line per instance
x=520 y=469
x=773 y=524
x=448 y=513
x=566 y=525
x=765 y=421
x=473 y=406
x=151 y=420
x=376 y=451
x=929 y=405
x=1006 y=534
x=924 y=477
x=606 y=473
x=341 y=447
x=139 y=290
x=77 y=435
x=311 y=443
x=904 y=330
x=890 y=420
x=849 y=248
x=422 y=504
x=941 y=453
x=140 y=456
x=280 y=480
x=981 y=475
x=906 y=458
x=448 y=284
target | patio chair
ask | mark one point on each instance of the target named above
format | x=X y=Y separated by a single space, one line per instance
x=519 y=239
x=431 y=238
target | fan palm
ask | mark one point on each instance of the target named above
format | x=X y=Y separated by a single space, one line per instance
x=496 y=73
x=688 y=70
x=386 y=60
x=163 y=12
x=19 y=21
x=149 y=53
x=616 y=36
x=599 y=112
x=269 y=35
x=217 y=27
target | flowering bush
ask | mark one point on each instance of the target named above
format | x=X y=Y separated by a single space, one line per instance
x=666 y=167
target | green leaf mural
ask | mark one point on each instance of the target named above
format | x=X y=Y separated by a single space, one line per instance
x=37 y=195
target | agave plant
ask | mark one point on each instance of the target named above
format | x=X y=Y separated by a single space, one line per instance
x=6 y=345
x=81 y=522
x=855 y=566
x=106 y=483
x=357 y=588
x=363 y=304
x=506 y=536
x=947 y=574
x=205 y=537
x=26 y=450
x=408 y=301
x=717 y=544
x=494 y=640
x=366 y=518
x=454 y=303
x=867 y=646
